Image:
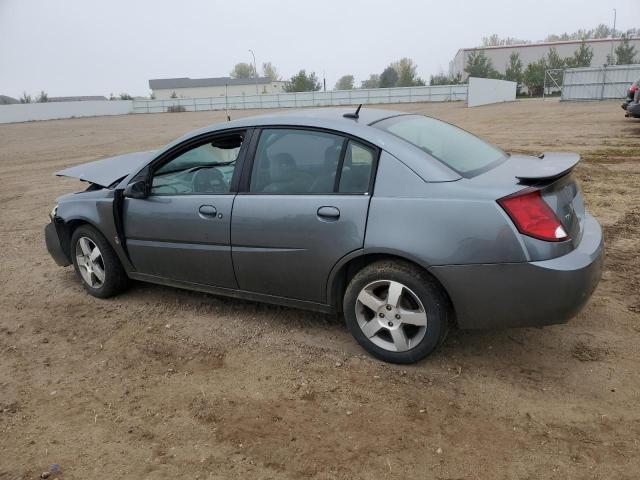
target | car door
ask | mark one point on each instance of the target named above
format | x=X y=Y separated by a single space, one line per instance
x=304 y=208
x=181 y=230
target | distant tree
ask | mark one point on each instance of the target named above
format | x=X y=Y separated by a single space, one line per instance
x=407 y=73
x=25 y=98
x=389 y=77
x=269 y=71
x=125 y=96
x=43 y=97
x=495 y=41
x=554 y=60
x=372 y=82
x=301 y=82
x=442 y=79
x=112 y=97
x=625 y=53
x=479 y=65
x=601 y=31
x=345 y=83
x=173 y=95
x=534 y=77
x=581 y=57
x=513 y=70
x=242 y=70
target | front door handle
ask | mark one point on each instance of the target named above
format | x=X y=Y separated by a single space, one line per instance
x=328 y=213
x=208 y=211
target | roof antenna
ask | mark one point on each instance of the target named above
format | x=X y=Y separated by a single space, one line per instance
x=353 y=115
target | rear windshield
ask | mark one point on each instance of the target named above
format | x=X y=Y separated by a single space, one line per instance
x=458 y=149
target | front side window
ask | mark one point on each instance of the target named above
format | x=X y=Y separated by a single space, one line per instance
x=456 y=148
x=203 y=169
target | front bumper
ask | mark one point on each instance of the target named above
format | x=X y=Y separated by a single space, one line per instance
x=526 y=294
x=52 y=238
x=633 y=109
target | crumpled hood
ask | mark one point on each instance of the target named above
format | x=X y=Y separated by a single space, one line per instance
x=106 y=171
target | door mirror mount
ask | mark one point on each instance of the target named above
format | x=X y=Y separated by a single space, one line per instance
x=136 y=189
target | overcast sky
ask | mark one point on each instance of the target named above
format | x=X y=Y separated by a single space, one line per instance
x=88 y=47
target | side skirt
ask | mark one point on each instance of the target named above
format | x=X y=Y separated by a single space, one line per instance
x=229 y=292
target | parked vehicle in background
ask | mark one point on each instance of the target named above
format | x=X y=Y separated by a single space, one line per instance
x=630 y=103
x=403 y=223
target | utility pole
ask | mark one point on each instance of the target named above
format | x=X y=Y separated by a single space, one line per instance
x=613 y=35
x=255 y=70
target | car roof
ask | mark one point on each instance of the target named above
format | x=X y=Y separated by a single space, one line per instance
x=332 y=118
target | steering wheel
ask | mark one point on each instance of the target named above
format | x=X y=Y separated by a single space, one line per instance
x=209 y=180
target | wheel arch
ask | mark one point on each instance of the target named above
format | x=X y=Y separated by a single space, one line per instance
x=351 y=264
x=67 y=226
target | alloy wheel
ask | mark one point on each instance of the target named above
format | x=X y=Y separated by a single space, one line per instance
x=391 y=315
x=90 y=262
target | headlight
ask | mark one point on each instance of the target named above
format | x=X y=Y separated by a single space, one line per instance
x=54 y=212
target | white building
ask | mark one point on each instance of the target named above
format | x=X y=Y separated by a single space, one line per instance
x=532 y=52
x=164 y=88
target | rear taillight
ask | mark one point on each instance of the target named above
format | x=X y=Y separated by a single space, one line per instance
x=532 y=216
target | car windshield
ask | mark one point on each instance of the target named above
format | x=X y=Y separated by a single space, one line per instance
x=458 y=149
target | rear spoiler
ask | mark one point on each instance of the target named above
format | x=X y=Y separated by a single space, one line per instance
x=547 y=166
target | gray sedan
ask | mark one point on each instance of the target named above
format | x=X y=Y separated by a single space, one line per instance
x=405 y=224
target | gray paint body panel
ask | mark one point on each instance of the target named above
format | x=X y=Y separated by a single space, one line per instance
x=528 y=293
x=167 y=237
x=106 y=171
x=434 y=223
x=282 y=247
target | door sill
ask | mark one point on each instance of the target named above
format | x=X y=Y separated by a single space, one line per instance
x=231 y=292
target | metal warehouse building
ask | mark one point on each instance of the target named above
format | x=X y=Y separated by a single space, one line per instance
x=532 y=52
x=164 y=88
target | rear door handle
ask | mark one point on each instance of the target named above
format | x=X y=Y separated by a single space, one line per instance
x=207 y=211
x=328 y=213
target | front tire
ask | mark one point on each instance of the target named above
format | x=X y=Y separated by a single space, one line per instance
x=397 y=312
x=96 y=264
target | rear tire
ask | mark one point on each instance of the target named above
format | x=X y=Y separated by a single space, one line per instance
x=96 y=263
x=396 y=311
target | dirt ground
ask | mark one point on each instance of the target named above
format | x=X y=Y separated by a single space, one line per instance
x=164 y=383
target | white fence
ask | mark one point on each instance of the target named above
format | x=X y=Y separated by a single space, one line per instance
x=599 y=83
x=483 y=91
x=440 y=93
x=25 y=112
x=479 y=92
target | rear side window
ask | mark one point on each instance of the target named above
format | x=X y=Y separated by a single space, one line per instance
x=290 y=161
x=356 y=169
x=458 y=149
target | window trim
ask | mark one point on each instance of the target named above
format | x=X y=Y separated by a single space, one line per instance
x=245 y=180
x=147 y=172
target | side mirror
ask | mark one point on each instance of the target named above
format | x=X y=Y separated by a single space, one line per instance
x=136 y=189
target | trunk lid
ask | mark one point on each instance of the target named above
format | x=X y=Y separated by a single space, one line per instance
x=107 y=171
